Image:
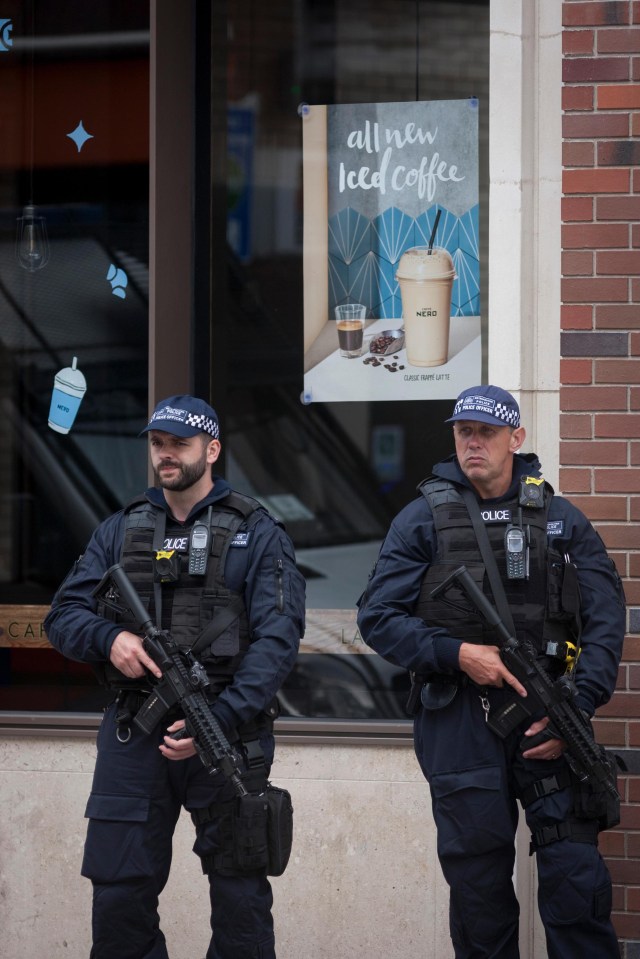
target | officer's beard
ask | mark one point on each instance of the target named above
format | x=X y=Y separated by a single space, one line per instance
x=188 y=474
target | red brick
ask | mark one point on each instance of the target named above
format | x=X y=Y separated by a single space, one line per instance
x=634 y=456
x=635 y=234
x=617 y=371
x=575 y=371
x=634 y=344
x=617 y=153
x=618 y=317
x=611 y=843
x=595 y=181
x=620 y=481
x=576 y=208
x=618 y=97
x=578 y=153
x=605 y=13
x=635 y=120
x=578 y=98
x=618 y=41
x=595 y=236
x=595 y=69
x=634 y=678
x=593 y=454
x=635 y=75
x=632 y=592
x=634 y=502
x=575 y=481
x=577 y=41
x=631 y=653
x=575 y=425
x=610 y=732
x=602 y=507
x=630 y=819
x=634 y=564
x=633 y=788
x=608 y=424
x=625 y=208
x=622 y=704
x=595 y=290
x=626 y=924
x=580 y=398
x=635 y=176
x=620 y=263
x=578 y=126
x=634 y=398
x=634 y=734
x=577 y=263
x=633 y=892
x=576 y=317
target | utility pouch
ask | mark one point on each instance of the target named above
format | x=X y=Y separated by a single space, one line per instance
x=279 y=829
x=250 y=846
x=593 y=801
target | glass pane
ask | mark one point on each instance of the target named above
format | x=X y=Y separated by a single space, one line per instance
x=336 y=473
x=74 y=165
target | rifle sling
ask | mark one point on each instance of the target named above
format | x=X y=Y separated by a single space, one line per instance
x=493 y=574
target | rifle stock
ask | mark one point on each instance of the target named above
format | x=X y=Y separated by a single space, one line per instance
x=184 y=682
x=556 y=698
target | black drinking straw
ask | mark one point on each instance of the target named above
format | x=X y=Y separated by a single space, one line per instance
x=433 y=232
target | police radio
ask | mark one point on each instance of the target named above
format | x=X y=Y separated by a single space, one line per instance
x=517 y=552
x=199 y=549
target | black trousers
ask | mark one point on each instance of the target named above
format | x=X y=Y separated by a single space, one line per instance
x=474 y=779
x=136 y=798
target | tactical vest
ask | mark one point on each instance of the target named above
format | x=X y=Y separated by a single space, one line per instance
x=544 y=607
x=201 y=612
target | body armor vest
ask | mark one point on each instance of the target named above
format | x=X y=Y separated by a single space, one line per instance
x=201 y=612
x=544 y=607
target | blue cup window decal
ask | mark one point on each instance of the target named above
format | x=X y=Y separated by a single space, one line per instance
x=69 y=387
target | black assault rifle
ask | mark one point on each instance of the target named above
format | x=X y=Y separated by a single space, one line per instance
x=184 y=682
x=556 y=698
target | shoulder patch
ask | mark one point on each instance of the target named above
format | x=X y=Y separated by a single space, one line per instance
x=555 y=527
x=241 y=539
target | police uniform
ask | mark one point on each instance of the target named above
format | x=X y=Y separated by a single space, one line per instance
x=255 y=592
x=475 y=777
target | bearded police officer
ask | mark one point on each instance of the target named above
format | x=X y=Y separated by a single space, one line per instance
x=239 y=602
x=487 y=508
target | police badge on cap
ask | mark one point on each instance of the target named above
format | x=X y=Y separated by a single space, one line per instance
x=487 y=404
x=184 y=416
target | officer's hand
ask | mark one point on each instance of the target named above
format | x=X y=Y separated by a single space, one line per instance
x=483 y=665
x=177 y=746
x=546 y=747
x=128 y=655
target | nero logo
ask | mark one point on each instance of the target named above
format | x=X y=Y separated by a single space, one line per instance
x=496 y=515
x=426 y=312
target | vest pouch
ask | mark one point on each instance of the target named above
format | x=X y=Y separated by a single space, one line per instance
x=279 y=829
x=452 y=611
x=563 y=590
x=250 y=845
x=439 y=690
x=592 y=801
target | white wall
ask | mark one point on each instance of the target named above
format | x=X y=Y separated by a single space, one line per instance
x=363 y=879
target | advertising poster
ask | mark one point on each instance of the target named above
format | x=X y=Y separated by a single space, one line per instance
x=391 y=251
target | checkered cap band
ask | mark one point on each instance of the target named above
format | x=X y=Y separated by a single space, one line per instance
x=503 y=412
x=203 y=423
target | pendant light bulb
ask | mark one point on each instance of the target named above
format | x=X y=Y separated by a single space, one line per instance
x=32 y=243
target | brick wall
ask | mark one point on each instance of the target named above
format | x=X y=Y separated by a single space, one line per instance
x=600 y=364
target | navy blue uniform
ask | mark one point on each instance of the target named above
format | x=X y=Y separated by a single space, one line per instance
x=137 y=794
x=473 y=775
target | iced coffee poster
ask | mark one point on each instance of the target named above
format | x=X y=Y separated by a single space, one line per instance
x=391 y=250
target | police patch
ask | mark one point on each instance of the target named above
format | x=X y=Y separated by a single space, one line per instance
x=496 y=515
x=241 y=539
x=555 y=527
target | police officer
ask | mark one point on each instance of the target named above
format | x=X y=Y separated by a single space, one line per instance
x=219 y=572
x=563 y=593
